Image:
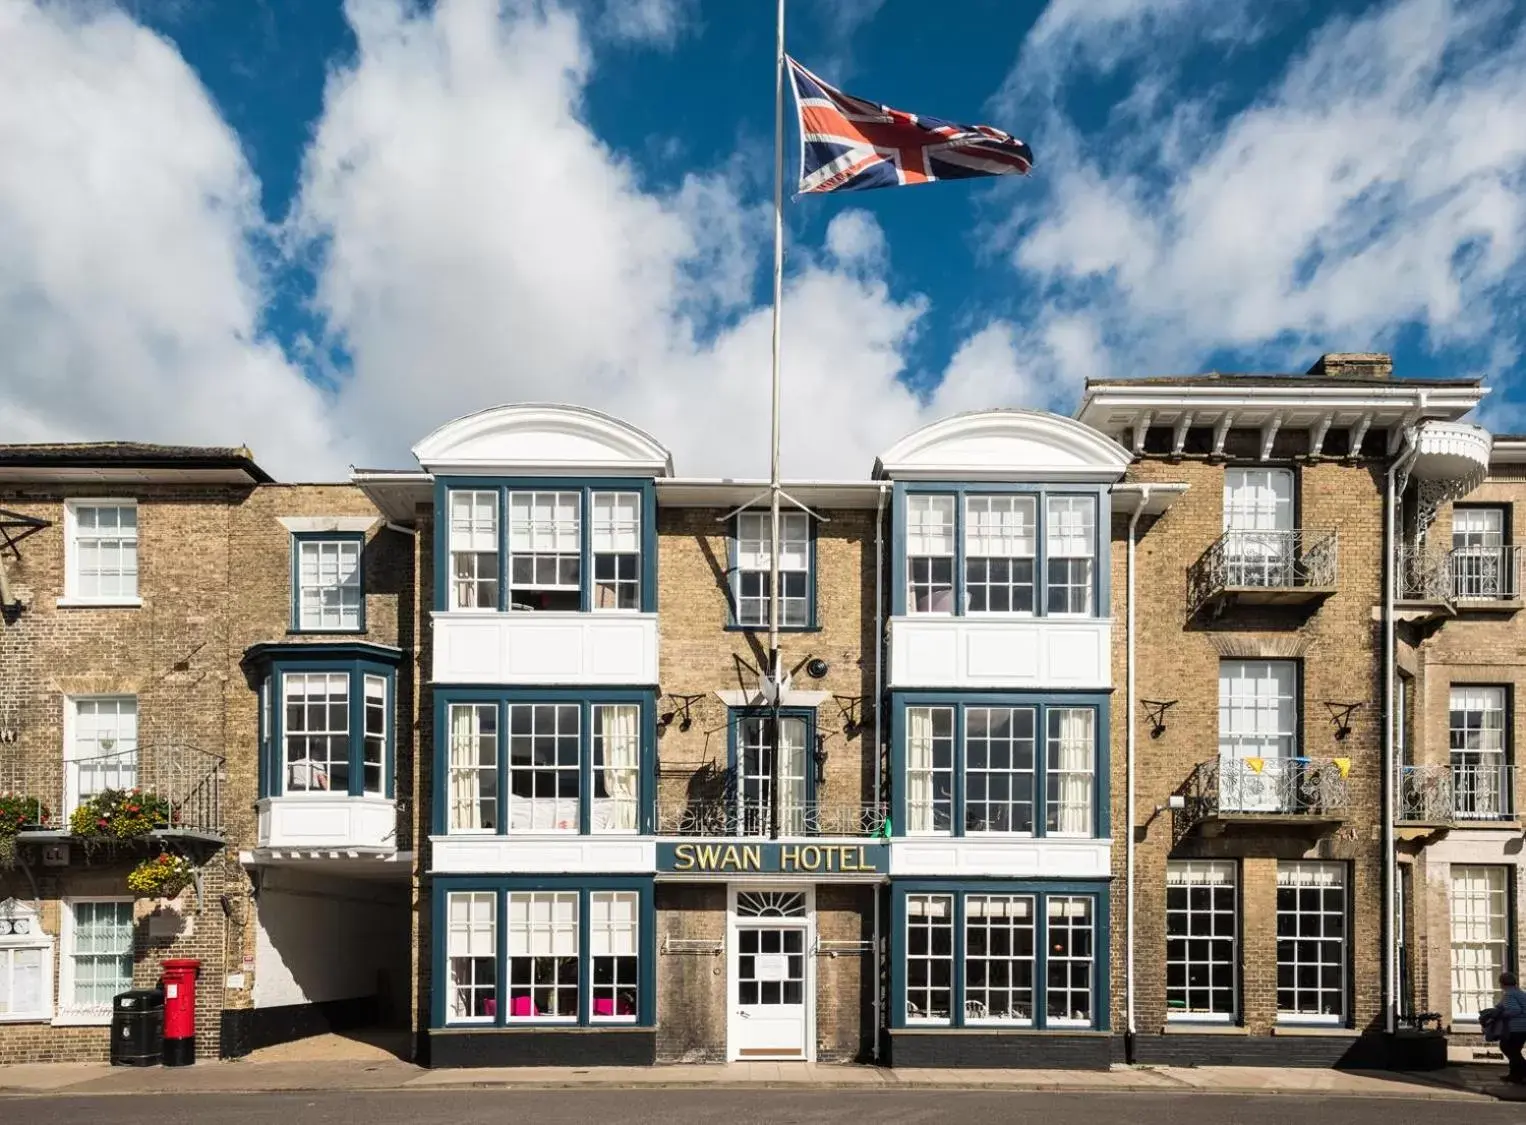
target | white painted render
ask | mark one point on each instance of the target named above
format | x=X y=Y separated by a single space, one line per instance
x=591 y=649
x=1015 y=654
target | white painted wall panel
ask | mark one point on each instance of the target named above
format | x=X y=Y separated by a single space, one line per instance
x=1017 y=654
x=543 y=855
x=971 y=857
x=327 y=822
x=545 y=648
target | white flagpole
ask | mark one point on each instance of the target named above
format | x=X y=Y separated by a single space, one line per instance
x=775 y=666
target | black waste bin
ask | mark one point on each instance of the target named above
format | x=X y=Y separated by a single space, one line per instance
x=137 y=1028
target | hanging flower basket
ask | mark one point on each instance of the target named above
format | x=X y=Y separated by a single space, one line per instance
x=17 y=814
x=120 y=814
x=164 y=876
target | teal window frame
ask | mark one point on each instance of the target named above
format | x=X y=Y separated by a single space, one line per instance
x=583 y=885
x=1041 y=891
x=1042 y=704
x=270 y=665
x=586 y=699
x=1101 y=556
x=734 y=574
x=585 y=487
x=298 y=538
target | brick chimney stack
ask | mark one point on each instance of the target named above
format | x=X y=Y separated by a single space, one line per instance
x=1354 y=365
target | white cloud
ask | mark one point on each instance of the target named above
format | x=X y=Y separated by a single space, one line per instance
x=460 y=272
x=129 y=297
x=1377 y=184
x=656 y=22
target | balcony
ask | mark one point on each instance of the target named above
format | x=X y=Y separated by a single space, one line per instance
x=1457 y=793
x=1263 y=568
x=1298 y=792
x=176 y=789
x=734 y=819
x=1436 y=583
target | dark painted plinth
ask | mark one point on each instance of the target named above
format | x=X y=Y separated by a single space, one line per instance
x=1021 y=1050
x=543 y=1046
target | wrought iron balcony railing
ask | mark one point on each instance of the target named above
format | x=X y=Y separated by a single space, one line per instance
x=1462 y=791
x=187 y=780
x=751 y=819
x=1264 y=567
x=1461 y=576
x=1272 y=786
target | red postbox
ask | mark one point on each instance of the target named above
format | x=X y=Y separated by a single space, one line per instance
x=180 y=1011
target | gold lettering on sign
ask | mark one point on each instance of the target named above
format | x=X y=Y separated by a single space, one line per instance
x=792 y=857
x=789 y=857
x=683 y=857
x=752 y=857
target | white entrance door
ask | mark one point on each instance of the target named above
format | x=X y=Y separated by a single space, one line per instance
x=771 y=987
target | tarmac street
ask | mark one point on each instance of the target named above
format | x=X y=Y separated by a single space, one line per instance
x=771 y=1106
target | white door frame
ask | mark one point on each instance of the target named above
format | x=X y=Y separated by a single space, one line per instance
x=808 y=924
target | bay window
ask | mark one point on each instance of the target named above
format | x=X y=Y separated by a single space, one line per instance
x=998 y=954
x=548 y=546
x=531 y=762
x=979 y=765
x=989 y=553
x=551 y=952
x=325 y=719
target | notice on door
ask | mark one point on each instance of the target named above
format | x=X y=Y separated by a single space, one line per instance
x=771 y=966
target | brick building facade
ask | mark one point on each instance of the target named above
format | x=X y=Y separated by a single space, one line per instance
x=1081 y=756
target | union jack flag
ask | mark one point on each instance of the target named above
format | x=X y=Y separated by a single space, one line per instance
x=849 y=144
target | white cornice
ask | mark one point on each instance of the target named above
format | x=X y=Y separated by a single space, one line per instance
x=995 y=445
x=542 y=439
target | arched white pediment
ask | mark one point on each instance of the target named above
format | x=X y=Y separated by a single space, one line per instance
x=547 y=439
x=1005 y=445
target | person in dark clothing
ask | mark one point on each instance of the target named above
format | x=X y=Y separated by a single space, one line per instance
x=1512 y=1011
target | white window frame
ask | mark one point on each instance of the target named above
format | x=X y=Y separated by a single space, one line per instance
x=383 y=711
x=1320 y=870
x=466 y=768
x=753 y=533
x=12 y=912
x=72 y=595
x=607 y=933
x=1070 y=787
x=1012 y=773
x=1491 y=888
x=1481 y=781
x=558 y=928
x=539 y=808
x=467 y=538
x=471 y=928
x=977 y=1010
x=943 y=920
x=68 y=1014
x=920 y=545
x=1088 y=962
x=615 y=533
x=73 y=756
x=543 y=537
x=997 y=528
x=923 y=771
x=328 y=788
x=349 y=612
x=1215 y=875
x=1055 y=508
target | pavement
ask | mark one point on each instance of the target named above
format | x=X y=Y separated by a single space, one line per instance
x=320 y=1065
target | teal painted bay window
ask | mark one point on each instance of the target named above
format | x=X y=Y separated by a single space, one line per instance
x=551 y=951
x=967 y=764
x=326 y=718
x=543 y=760
x=537 y=545
x=999 y=955
x=1000 y=550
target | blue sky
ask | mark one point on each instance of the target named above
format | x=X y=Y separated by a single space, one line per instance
x=324 y=228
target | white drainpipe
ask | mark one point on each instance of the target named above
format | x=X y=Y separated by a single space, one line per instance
x=1129 y=1029
x=1390 y=663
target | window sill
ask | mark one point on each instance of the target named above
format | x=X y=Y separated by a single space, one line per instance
x=731 y=627
x=99 y=603
x=35 y=1017
x=1201 y=1027
x=536 y=1027
x=990 y=1029
x=82 y=1019
x=326 y=632
x=1314 y=1030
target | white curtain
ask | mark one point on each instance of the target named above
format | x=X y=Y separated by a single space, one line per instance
x=622 y=761
x=919 y=769
x=465 y=808
x=1074 y=760
x=792 y=776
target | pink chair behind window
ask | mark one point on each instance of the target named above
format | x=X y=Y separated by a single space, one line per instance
x=603 y=1007
x=522 y=1006
x=490 y=1006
